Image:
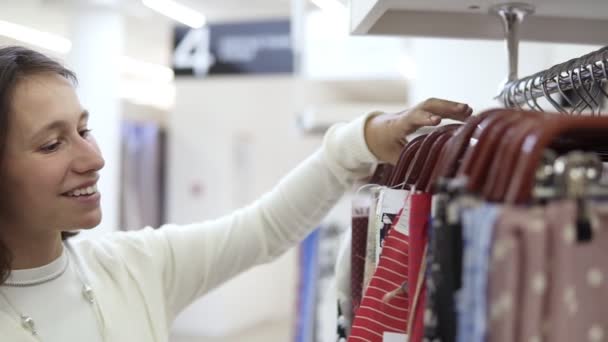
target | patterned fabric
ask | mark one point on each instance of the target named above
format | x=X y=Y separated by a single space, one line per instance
x=444 y=260
x=420 y=211
x=360 y=221
x=477 y=227
x=388 y=205
x=517 y=278
x=546 y=285
x=578 y=276
x=378 y=314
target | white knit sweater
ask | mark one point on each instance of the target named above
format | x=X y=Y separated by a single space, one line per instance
x=143 y=279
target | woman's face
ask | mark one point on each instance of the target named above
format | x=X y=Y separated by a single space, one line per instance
x=51 y=162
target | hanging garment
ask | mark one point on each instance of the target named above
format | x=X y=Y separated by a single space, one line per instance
x=343 y=283
x=384 y=306
x=444 y=260
x=477 y=227
x=389 y=204
x=370 y=239
x=360 y=221
x=578 y=282
x=420 y=212
x=517 y=280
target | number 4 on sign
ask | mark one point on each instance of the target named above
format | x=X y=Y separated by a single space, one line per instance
x=192 y=52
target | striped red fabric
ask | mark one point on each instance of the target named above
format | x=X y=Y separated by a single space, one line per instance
x=375 y=316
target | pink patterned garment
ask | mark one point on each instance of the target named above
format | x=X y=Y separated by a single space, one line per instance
x=577 y=308
x=517 y=275
x=545 y=285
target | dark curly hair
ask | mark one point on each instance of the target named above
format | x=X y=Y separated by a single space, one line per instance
x=17 y=62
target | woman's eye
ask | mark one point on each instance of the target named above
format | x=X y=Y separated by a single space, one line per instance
x=51 y=147
x=85 y=133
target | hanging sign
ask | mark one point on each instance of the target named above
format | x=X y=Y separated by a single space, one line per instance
x=233 y=48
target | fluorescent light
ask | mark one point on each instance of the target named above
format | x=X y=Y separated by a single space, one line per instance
x=56 y=43
x=330 y=5
x=151 y=84
x=144 y=70
x=31 y=36
x=177 y=12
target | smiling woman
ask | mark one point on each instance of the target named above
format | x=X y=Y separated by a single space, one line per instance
x=130 y=286
x=29 y=145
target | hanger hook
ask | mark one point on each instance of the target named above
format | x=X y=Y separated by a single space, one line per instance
x=575 y=88
x=599 y=83
x=532 y=87
x=513 y=91
x=595 y=88
x=593 y=104
x=550 y=99
x=561 y=91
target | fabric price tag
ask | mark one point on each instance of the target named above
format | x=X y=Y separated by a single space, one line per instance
x=389 y=203
x=403 y=224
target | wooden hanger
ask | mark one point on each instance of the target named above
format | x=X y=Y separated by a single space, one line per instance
x=503 y=164
x=381 y=174
x=471 y=152
x=448 y=163
x=407 y=154
x=589 y=131
x=434 y=178
x=485 y=151
x=434 y=154
x=416 y=165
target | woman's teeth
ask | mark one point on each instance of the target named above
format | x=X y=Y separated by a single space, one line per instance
x=84 y=191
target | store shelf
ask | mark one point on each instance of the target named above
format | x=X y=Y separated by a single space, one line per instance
x=567 y=21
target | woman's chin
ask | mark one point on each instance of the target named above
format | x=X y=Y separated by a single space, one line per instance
x=89 y=221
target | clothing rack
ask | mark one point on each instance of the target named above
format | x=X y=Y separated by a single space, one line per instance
x=580 y=82
x=573 y=87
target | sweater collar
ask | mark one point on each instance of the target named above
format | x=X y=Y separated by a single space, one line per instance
x=38 y=275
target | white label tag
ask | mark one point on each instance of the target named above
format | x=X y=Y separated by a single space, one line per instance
x=394 y=337
x=403 y=224
x=392 y=200
x=389 y=204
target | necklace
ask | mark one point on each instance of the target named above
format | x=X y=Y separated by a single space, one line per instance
x=28 y=323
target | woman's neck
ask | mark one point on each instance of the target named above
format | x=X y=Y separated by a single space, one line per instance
x=32 y=252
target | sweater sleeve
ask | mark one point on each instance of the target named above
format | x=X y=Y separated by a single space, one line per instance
x=198 y=257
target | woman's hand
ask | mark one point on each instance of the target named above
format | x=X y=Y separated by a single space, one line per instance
x=386 y=134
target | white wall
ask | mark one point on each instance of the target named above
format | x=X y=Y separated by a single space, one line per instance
x=234 y=138
x=472 y=70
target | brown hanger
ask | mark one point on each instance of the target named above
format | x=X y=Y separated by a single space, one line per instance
x=505 y=156
x=434 y=178
x=381 y=174
x=434 y=153
x=587 y=130
x=471 y=151
x=448 y=163
x=485 y=149
x=415 y=167
x=405 y=158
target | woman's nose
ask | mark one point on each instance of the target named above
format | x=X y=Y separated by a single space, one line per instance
x=89 y=158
